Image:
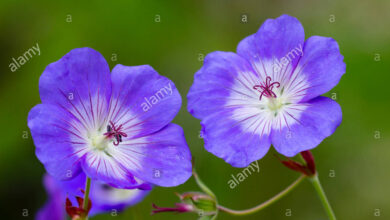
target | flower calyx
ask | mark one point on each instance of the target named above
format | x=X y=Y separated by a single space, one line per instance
x=77 y=212
x=307 y=169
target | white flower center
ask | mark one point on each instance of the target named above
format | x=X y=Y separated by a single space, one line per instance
x=99 y=141
x=274 y=104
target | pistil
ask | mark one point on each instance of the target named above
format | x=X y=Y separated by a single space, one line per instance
x=266 y=88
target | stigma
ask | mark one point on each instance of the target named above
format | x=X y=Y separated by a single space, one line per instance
x=266 y=88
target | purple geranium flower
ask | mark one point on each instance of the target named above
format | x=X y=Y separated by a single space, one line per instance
x=104 y=197
x=114 y=127
x=268 y=93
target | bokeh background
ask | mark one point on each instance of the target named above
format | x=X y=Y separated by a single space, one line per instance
x=353 y=163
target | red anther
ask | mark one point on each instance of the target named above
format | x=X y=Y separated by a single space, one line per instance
x=266 y=88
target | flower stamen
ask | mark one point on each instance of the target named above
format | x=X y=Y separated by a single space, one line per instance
x=115 y=132
x=266 y=88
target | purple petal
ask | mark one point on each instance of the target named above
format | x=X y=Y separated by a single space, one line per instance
x=317 y=122
x=213 y=82
x=54 y=208
x=104 y=166
x=73 y=187
x=322 y=65
x=275 y=47
x=162 y=158
x=109 y=199
x=233 y=141
x=79 y=82
x=53 y=134
x=142 y=100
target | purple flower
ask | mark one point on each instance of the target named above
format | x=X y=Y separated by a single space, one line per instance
x=114 y=127
x=104 y=197
x=268 y=93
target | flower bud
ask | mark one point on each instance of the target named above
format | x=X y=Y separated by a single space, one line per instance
x=196 y=202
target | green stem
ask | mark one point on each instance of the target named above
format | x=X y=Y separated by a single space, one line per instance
x=266 y=203
x=321 y=194
x=86 y=195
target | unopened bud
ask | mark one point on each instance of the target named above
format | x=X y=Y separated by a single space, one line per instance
x=196 y=202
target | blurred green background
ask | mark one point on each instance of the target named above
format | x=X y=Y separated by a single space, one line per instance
x=353 y=163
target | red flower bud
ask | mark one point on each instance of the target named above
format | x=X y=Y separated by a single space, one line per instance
x=179 y=208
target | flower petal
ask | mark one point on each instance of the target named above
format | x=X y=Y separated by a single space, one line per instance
x=104 y=166
x=107 y=199
x=276 y=47
x=319 y=120
x=214 y=82
x=53 y=134
x=239 y=143
x=142 y=100
x=54 y=207
x=322 y=66
x=80 y=83
x=162 y=158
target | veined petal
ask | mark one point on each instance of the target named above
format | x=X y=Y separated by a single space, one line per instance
x=276 y=47
x=56 y=139
x=322 y=66
x=104 y=166
x=79 y=83
x=238 y=142
x=277 y=37
x=216 y=80
x=142 y=100
x=318 y=121
x=162 y=158
x=107 y=199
